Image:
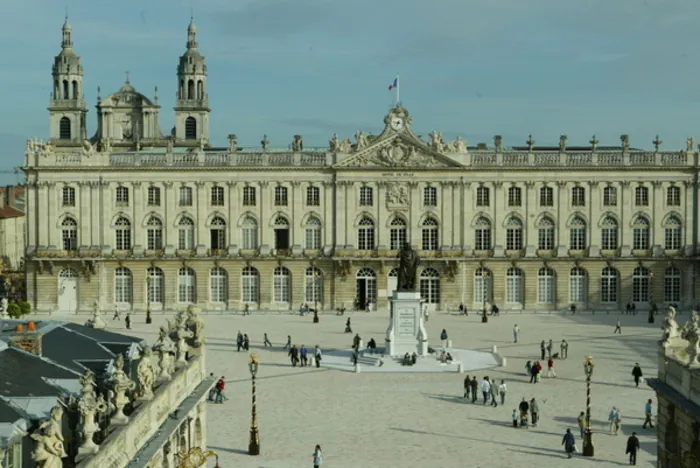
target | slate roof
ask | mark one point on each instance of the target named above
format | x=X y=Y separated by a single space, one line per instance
x=22 y=374
x=8 y=414
x=102 y=336
x=66 y=347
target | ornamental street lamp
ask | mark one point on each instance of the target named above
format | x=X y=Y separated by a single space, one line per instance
x=588 y=440
x=652 y=306
x=148 y=300
x=254 y=444
x=314 y=282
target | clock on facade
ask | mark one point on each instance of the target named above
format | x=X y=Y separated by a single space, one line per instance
x=397 y=123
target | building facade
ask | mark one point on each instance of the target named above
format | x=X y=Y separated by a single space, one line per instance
x=12 y=228
x=132 y=217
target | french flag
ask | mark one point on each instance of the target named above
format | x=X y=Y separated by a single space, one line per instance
x=395 y=84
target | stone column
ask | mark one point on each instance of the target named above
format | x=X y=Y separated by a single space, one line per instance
x=51 y=214
x=84 y=205
x=330 y=202
x=531 y=208
x=200 y=201
x=466 y=213
x=42 y=224
x=562 y=205
x=445 y=207
x=170 y=235
x=233 y=215
x=496 y=206
x=296 y=210
x=264 y=207
x=381 y=215
x=139 y=221
x=594 y=214
x=624 y=233
x=656 y=203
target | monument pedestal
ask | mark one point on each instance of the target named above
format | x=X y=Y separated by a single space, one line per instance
x=406 y=332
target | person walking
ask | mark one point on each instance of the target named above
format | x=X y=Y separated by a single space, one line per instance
x=543 y=349
x=564 y=348
x=293 y=355
x=318 y=356
x=647 y=415
x=494 y=394
x=582 y=424
x=212 y=390
x=516 y=333
x=246 y=310
x=239 y=341
x=550 y=345
x=534 y=411
x=318 y=457
x=632 y=448
x=220 y=387
x=246 y=342
x=618 y=328
x=524 y=407
x=502 y=389
x=443 y=338
x=615 y=419
x=304 y=358
x=289 y=343
x=569 y=443
x=474 y=384
x=127 y=321
x=637 y=374
x=467 y=386
x=116 y=313
x=486 y=389
x=550 y=368
x=515 y=418
x=266 y=341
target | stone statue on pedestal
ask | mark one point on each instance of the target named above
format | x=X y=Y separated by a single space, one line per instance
x=165 y=348
x=54 y=421
x=146 y=374
x=121 y=383
x=96 y=321
x=196 y=325
x=691 y=333
x=670 y=327
x=408 y=266
x=49 y=450
x=89 y=406
x=181 y=334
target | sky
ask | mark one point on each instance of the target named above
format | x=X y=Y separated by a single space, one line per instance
x=475 y=68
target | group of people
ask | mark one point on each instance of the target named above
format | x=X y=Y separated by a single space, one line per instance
x=301 y=356
x=547 y=348
x=494 y=310
x=216 y=393
x=490 y=390
x=520 y=416
x=243 y=342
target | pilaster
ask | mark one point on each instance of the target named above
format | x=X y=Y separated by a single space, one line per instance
x=43 y=223
x=84 y=206
x=139 y=232
x=562 y=203
x=54 y=233
x=201 y=207
x=329 y=197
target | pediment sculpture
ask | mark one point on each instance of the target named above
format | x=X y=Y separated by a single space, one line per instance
x=361 y=140
x=457 y=146
x=437 y=142
x=397 y=154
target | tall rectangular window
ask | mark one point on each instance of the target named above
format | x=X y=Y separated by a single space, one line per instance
x=185 y=196
x=482 y=196
x=313 y=196
x=578 y=196
x=609 y=196
x=217 y=196
x=249 y=196
x=673 y=196
x=546 y=196
x=122 y=196
x=281 y=196
x=366 y=198
x=153 y=196
x=430 y=196
x=68 y=196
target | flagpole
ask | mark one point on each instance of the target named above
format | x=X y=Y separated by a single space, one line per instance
x=398 y=90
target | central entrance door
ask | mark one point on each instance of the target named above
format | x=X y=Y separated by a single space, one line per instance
x=68 y=291
x=366 y=289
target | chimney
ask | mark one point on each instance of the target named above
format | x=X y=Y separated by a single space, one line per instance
x=29 y=341
x=10 y=196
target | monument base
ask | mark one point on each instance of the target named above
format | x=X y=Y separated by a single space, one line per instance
x=406 y=332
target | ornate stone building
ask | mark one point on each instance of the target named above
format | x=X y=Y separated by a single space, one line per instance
x=133 y=217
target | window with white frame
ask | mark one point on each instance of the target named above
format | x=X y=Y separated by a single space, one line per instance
x=155 y=285
x=250 y=285
x=430 y=196
x=366 y=286
x=185 y=196
x=672 y=285
x=218 y=285
x=217 y=196
x=186 y=286
x=122 y=234
x=545 y=234
x=609 y=196
x=282 y=285
x=249 y=196
x=313 y=234
x=673 y=196
x=429 y=286
x=545 y=286
x=609 y=234
x=514 y=196
x=482 y=234
x=578 y=288
x=313 y=196
x=122 y=196
x=430 y=234
x=577 y=234
x=482 y=286
x=153 y=196
x=122 y=286
x=514 y=286
x=154 y=234
x=578 y=196
x=217 y=233
x=640 y=233
x=673 y=233
x=249 y=233
x=546 y=196
x=365 y=234
x=397 y=234
x=608 y=286
x=281 y=196
x=482 y=196
x=313 y=286
x=640 y=285
x=68 y=196
x=514 y=234
x=641 y=196
x=69 y=234
x=185 y=233
x=366 y=196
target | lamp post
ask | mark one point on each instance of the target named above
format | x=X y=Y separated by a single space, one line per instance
x=148 y=300
x=315 y=280
x=588 y=365
x=254 y=444
x=652 y=306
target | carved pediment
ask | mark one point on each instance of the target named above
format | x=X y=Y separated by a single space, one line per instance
x=398 y=152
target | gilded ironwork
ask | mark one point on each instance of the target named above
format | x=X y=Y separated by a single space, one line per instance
x=195 y=457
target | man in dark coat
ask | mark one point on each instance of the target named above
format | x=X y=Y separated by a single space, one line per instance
x=543 y=348
x=524 y=407
x=637 y=373
x=568 y=442
x=474 y=388
x=632 y=448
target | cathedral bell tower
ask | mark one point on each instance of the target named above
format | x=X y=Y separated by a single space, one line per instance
x=192 y=105
x=67 y=110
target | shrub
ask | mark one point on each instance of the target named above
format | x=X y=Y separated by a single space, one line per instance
x=25 y=307
x=14 y=311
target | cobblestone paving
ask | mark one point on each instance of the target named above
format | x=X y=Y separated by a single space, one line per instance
x=421 y=420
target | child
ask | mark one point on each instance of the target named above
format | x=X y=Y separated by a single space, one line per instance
x=528 y=368
x=515 y=419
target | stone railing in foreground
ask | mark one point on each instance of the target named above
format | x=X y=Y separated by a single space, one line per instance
x=124 y=442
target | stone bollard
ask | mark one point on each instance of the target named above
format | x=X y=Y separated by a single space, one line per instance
x=460 y=368
x=357 y=368
x=494 y=349
x=449 y=343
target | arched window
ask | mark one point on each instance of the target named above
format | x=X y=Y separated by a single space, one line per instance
x=218 y=285
x=123 y=286
x=64 y=129
x=608 y=286
x=75 y=90
x=190 y=128
x=482 y=286
x=640 y=285
x=578 y=291
x=313 y=286
x=249 y=233
x=281 y=227
x=282 y=285
x=482 y=234
x=190 y=89
x=185 y=233
x=366 y=288
x=672 y=285
x=609 y=234
x=365 y=234
x=514 y=286
x=577 y=234
x=69 y=234
x=66 y=90
x=156 y=285
x=217 y=233
x=250 y=285
x=430 y=286
x=186 y=286
x=545 y=286
x=200 y=89
x=545 y=234
x=673 y=234
x=640 y=233
x=514 y=234
x=122 y=234
x=397 y=234
x=313 y=233
x=430 y=234
x=154 y=229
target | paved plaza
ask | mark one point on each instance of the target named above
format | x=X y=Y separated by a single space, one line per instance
x=420 y=419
